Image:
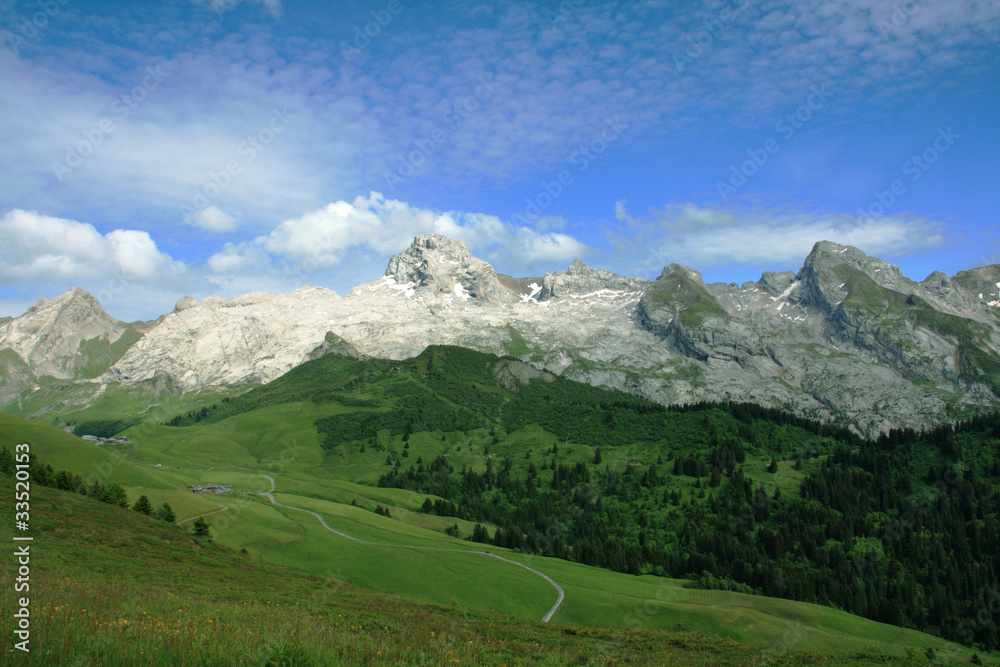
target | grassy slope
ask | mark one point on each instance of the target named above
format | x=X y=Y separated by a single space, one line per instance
x=293 y=539
x=61 y=403
x=102 y=463
x=692 y=300
x=114 y=588
x=164 y=599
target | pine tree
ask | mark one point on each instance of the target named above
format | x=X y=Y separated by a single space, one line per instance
x=597 y=455
x=773 y=468
x=480 y=534
x=143 y=506
x=115 y=495
x=167 y=513
x=201 y=527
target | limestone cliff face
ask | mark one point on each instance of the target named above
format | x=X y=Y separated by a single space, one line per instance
x=436 y=264
x=847 y=337
x=252 y=338
x=69 y=337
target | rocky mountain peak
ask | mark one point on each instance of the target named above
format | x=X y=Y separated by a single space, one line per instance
x=580 y=279
x=673 y=340
x=75 y=297
x=184 y=303
x=774 y=282
x=47 y=337
x=437 y=265
x=831 y=269
x=73 y=308
x=980 y=285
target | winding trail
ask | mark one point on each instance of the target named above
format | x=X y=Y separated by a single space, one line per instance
x=545 y=618
x=192 y=518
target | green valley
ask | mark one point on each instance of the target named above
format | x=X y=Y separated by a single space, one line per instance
x=690 y=519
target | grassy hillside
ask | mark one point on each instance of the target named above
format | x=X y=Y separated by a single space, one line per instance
x=104 y=464
x=239 y=450
x=112 y=587
x=717 y=493
x=108 y=409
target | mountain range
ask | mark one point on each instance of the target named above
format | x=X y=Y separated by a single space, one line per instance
x=847 y=338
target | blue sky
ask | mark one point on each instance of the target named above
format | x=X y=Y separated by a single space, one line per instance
x=202 y=147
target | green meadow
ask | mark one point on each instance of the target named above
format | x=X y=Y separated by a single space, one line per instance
x=241 y=450
x=112 y=587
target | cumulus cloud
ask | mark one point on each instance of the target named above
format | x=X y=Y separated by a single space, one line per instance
x=548 y=248
x=321 y=239
x=708 y=238
x=213 y=219
x=41 y=247
x=237 y=259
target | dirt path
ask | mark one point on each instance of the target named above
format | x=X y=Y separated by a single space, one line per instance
x=192 y=518
x=545 y=618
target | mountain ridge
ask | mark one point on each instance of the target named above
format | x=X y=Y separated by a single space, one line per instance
x=831 y=341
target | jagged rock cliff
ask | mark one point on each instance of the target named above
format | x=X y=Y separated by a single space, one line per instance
x=848 y=337
x=68 y=337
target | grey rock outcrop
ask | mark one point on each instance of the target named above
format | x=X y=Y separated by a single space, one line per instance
x=580 y=279
x=434 y=263
x=846 y=338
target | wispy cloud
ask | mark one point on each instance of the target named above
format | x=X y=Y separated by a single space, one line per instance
x=712 y=239
x=556 y=84
x=153 y=150
x=221 y=7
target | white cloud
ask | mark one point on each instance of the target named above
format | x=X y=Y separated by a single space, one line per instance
x=213 y=219
x=552 y=248
x=240 y=258
x=41 y=247
x=223 y=6
x=354 y=125
x=321 y=239
x=707 y=238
